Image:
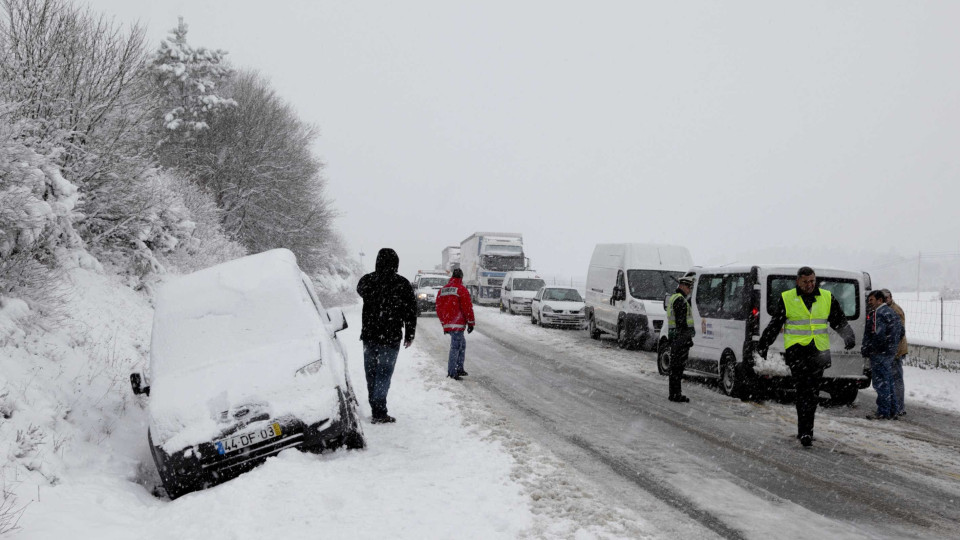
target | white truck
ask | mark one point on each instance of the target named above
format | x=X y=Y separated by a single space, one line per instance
x=451 y=258
x=485 y=259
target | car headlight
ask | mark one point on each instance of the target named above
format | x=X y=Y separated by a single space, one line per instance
x=546 y=309
x=310 y=368
x=421 y=296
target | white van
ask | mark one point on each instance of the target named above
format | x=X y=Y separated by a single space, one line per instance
x=518 y=290
x=626 y=285
x=732 y=306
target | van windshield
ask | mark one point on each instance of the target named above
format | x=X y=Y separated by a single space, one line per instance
x=846 y=291
x=432 y=282
x=527 y=284
x=652 y=284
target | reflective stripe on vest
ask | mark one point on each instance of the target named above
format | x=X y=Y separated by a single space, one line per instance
x=671 y=319
x=449 y=291
x=806 y=325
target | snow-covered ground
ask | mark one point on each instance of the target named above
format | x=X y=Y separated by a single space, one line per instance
x=937 y=388
x=445 y=469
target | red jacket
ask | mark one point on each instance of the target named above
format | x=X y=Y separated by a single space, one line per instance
x=454 y=307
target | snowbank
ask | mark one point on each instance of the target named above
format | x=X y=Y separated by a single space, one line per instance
x=427 y=476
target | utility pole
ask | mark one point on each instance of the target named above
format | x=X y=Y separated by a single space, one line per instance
x=919 y=255
x=361 y=262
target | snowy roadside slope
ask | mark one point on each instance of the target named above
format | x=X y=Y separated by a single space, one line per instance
x=427 y=476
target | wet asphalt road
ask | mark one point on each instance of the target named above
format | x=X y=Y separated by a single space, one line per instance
x=724 y=465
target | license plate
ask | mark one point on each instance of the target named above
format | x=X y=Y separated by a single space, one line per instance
x=230 y=444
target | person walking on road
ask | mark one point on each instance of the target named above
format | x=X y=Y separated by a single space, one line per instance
x=902 y=350
x=680 y=331
x=804 y=313
x=455 y=311
x=389 y=317
x=880 y=341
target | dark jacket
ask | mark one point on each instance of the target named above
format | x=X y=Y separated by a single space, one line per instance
x=903 y=349
x=882 y=334
x=683 y=334
x=806 y=356
x=389 y=305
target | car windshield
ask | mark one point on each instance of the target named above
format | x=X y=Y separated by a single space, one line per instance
x=846 y=291
x=562 y=295
x=500 y=263
x=652 y=284
x=527 y=284
x=432 y=282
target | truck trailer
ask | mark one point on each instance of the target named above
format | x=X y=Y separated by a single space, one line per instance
x=485 y=258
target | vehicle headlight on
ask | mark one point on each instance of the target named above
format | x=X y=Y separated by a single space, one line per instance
x=311 y=368
x=421 y=296
x=546 y=309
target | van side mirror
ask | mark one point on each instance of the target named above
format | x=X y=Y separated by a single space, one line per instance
x=136 y=382
x=619 y=294
x=337 y=320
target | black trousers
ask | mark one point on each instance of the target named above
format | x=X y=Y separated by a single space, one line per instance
x=679 y=352
x=808 y=393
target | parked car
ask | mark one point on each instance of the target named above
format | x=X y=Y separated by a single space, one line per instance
x=732 y=305
x=244 y=363
x=518 y=290
x=558 y=306
x=426 y=287
x=626 y=285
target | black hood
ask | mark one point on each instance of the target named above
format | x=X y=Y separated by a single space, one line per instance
x=387 y=261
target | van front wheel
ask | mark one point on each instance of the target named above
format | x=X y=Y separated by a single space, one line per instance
x=623 y=341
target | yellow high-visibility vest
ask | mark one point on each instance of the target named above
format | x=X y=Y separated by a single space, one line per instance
x=806 y=325
x=671 y=318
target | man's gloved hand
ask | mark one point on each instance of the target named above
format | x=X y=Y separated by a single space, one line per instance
x=469 y=329
x=849 y=338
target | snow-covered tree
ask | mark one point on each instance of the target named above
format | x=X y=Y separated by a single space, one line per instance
x=187 y=79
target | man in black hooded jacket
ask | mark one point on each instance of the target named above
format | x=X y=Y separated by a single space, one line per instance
x=389 y=317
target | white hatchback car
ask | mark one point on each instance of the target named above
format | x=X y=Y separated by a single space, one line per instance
x=244 y=363
x=558 y=306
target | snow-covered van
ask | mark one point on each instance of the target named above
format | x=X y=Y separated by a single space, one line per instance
x=425 y=287
x=731 y=307
x=626 y=285
x=244 y=363
x=518 y=290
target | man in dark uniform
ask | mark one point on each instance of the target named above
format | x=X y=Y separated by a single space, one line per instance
x=804 y=313
x=681 y=332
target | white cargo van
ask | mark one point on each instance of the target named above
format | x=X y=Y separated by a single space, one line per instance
x=731 y=307
x=626 y=285
x=518 y=290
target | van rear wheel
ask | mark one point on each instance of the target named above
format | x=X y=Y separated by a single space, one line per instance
x=663 y=358
x=592 y=326
x=733 y=380
x=843 y=393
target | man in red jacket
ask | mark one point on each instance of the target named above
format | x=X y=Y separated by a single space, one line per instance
x=455 y=311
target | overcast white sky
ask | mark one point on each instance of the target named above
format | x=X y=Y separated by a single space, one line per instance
x=722 y=126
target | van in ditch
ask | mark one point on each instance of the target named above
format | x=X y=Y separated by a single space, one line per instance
x=626 y=285
x=732 y=305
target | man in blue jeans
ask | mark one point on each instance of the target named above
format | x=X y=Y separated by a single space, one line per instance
x=880 y=341
x=455 y=311
x=389 y=316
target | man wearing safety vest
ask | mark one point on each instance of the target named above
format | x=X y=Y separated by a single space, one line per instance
x=804 y=314
x=680 y=331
